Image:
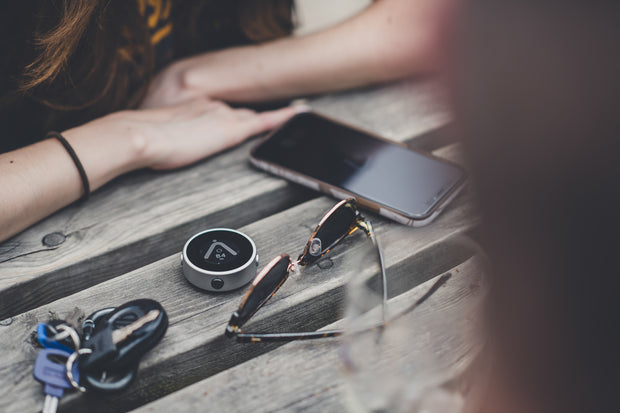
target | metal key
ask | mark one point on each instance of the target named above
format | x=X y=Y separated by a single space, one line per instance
x=117 y=359
x=104 y=343
x=49 y=369
x=124 y=332
x=103 y=381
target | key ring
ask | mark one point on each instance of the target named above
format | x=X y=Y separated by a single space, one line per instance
x=100 y=384
x=69 y=367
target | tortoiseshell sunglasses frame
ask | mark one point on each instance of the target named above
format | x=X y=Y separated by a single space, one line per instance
x=309 y=255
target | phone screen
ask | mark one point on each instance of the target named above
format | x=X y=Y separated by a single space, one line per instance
x=382 y=172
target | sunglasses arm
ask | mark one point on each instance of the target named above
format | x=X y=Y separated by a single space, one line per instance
x=285 y=337
x=366 y=226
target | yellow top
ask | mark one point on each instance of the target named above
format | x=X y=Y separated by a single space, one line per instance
x=157 y=13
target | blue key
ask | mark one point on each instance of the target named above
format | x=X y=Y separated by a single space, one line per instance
x=49 y=369
x=46 y=341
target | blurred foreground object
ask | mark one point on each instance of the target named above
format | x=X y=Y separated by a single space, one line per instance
x=535 y=89
x=421 y=348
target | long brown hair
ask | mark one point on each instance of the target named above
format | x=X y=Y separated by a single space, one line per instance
x=58 y=44
x=95 y=56
x=92 y=54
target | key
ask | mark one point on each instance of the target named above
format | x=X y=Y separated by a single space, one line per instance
x=104 y=381
x=123 y=337
x=124 y=332
x=58 y=335
x=49 y=369
x=105 y=342
x=113 y=381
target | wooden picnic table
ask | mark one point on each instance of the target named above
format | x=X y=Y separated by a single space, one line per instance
x=125 y=242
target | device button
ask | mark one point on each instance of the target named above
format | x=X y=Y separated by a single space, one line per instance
x=217 y=283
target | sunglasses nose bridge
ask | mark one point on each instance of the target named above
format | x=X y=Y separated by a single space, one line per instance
x=293 y=267
x=364 y=225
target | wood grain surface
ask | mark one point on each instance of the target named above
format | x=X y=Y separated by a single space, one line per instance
x=194 y=347
x=125 y=243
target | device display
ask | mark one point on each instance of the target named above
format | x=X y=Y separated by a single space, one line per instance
x=219 y=259
x=407 y=186
x=219 y=250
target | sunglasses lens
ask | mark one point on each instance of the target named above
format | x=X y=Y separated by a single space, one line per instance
x=264 y=286
x=338 y=223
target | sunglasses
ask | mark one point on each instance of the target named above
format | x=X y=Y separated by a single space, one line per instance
x=339 y=222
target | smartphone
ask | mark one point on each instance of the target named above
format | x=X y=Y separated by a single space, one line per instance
x=406 y=186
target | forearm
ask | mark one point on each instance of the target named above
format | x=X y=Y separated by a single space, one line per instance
x=389 y=40
x=40 y=179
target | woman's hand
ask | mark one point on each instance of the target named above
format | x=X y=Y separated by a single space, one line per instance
x=390 y=39
x=188 y=132
x=180 y=135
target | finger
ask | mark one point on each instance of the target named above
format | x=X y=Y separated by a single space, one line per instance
x=244 y=113
x=272 y=119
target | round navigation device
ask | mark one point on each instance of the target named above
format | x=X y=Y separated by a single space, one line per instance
x=219 y=259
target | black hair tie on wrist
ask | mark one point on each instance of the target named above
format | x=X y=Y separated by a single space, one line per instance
x=76 y=161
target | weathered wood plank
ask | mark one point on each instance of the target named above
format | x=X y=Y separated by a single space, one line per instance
x=144 y=216
x=310 y=376
x=194 y=347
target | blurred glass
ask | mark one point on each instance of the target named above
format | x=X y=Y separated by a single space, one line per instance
x=414 y=362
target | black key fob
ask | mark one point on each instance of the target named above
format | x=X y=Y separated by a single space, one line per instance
x=127 y=353
x=104 y=381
